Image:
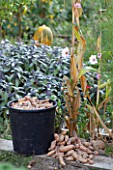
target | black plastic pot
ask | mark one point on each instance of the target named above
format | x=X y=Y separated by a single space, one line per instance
x=32 y=130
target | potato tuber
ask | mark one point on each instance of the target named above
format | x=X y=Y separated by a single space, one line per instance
x=61 y=143
x=69 y=153
x=53 y=145
x=78 y=141
x=70 y=149
x=69 y=158
x=61 y=159
x=90 y=161
x=98 y=144
x=82 y=160
x=61 y=138
x=85 y=155
x=44 y=101
x=88 y=151
x=66 y=148
x=95 y=152
x=83 y=148
x=56 y=136
x=91 y=148
x=77 y=146
x=75 y=155
x=71 y=140
x=87 y=144
x=51 y=152
x=63 y=132
x=66 y=138
x=31 y=103
x=82 y=153
x=91 y=156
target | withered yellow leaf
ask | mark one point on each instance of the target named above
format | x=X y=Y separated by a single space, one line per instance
x=73 y=70
x=83 y=83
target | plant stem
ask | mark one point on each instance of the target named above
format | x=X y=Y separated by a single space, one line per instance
x=0 y=31
x=99 y=69
x=102 y=123
x=19 y=23
x=73 y=20
x=98 y=90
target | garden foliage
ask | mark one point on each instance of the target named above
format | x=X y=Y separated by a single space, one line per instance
x=27 y=69
x=97 y=15
x=9 y=167
x=30 y=70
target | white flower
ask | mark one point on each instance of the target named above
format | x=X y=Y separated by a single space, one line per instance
x=65 y=52
x=93 y=59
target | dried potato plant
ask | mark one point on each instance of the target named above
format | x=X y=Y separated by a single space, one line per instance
x=71 y=89
x=72 y=93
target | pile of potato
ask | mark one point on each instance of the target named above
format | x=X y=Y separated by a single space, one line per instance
x=31 y=103
x=74 y=149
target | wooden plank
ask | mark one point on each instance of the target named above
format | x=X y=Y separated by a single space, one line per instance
x=6 y=145
x=102 y=162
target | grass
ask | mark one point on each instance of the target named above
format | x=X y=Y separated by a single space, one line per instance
x=7 y=166
x=109 y=150
x=14 y=159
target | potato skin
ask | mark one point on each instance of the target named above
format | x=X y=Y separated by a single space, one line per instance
x=70 y=149
x=66 y=148
x=71 y=140
x=69 y=153
x=86 y=144
x=56 y=136
x=51 y=153
x=53 y=145
x=61 y=138
x=69 y=158
x=75 y=155
x=82 y=160
x=83 y=148
x=90 y=161
x=66 y=138
x=61 y=160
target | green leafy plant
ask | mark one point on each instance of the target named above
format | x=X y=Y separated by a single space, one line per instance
x=31 y=70
x=10 y=8
x=14 y=161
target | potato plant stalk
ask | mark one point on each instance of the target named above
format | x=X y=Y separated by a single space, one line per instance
x=73 y=20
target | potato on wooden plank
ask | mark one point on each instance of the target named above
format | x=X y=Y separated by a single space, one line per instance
x=66 y=148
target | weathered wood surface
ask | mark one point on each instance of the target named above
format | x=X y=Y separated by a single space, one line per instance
x=101 y=162
x=6 y=145
x=47 y=163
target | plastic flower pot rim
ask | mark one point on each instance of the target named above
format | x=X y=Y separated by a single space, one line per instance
x=29 y=111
